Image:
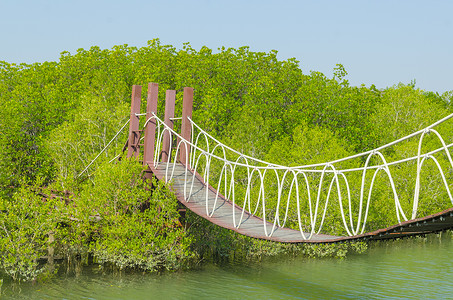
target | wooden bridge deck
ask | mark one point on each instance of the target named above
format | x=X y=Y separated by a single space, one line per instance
x=254 y=227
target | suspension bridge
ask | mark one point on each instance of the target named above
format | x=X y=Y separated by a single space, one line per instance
x=287 y=204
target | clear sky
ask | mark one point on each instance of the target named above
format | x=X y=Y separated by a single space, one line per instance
x=381 y=42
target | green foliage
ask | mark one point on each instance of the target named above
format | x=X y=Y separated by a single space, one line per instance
x=340 y=108
x=25 y=224
x=123 y=223
x=404 y=110
x=80 y=139
x=307 y=146
x=29 y=109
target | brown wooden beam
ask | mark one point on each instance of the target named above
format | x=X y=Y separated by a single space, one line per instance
x=186 y=127
x=169 y=115
x=133 y=148
x=150 y=130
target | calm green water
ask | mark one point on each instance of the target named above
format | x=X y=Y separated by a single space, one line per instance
x=415 y=269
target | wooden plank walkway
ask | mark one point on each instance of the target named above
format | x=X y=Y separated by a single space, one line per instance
x=254 y=227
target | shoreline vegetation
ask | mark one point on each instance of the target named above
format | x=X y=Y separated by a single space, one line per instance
x=57 y=116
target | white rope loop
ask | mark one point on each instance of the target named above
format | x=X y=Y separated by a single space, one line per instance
x=250 y=179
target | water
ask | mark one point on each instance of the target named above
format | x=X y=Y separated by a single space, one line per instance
x=410 y=269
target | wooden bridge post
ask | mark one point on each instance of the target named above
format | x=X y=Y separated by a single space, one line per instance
x=150 y=130
x=186 y=127
x=169 y=115
x=133 y=148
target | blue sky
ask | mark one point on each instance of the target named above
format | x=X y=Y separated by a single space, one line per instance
x=380 y=42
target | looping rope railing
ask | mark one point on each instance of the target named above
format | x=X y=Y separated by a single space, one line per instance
x=300 y=196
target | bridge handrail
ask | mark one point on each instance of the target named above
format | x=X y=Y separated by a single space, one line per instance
x=271 y=166
x=304 y=167
x=317 y=216
x=384 y=146
x=231 y=149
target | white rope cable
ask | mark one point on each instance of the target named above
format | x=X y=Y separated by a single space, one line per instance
x=269 y=165
x=115 y=158
x=338 y=160
x=102 y=151
x=231 y=149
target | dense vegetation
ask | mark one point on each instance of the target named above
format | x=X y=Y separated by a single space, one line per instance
x=57 y=116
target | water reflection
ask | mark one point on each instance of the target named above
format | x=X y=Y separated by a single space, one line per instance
x=413 y=268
